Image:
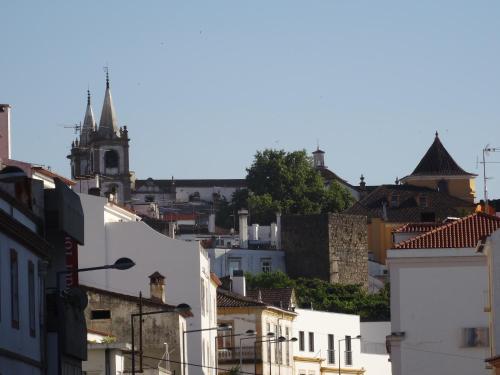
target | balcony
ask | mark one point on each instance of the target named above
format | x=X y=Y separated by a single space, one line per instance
x=233 y=354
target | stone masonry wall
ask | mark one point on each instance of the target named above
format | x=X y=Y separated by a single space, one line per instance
x=348 y=249
x=332 y=247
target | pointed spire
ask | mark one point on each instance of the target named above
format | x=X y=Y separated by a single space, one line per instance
x=88 y=122
x=108 y=123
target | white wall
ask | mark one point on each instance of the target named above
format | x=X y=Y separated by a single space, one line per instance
x=493 y=253
x=182 y=263
x=250 y=260
x=434 y=295
x=18 y=341
x=373 y=348
x=322 y=324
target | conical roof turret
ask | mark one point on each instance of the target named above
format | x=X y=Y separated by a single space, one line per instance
x=89 y=124
x=108 y=123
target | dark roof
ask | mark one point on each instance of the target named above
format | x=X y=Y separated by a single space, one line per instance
x=282 y=298
x=440 y=204
x=127 y=297
x=462 y=233
x=437 y=161
x=328 y=175
x=230 y=299
x=416 y=227
x=168 y=184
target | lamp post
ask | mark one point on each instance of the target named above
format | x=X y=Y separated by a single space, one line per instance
x=181 y=308
x=250 y=333
x=120 y=264
x=222 y=327
x=344 y=339
x=269 y=342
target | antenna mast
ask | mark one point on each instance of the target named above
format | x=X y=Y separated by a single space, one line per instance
x=487 y=149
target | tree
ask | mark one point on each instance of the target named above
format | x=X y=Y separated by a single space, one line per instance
x=321 y=295
x=287 y=182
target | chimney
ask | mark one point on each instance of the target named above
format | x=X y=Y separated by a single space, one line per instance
x=274 y=235
x=157 y=287
x=254 y=234
x=278 y=230
x=238 y=282
x=171 y=229
x=5 y=152
x=243 y=220
x=211 y=223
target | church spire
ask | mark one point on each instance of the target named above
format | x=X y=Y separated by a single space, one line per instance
x=108 y=123
x=88 y=122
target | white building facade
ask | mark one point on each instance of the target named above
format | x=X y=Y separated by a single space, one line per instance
x=112 y=232
x=322 y=336
x=438 y=302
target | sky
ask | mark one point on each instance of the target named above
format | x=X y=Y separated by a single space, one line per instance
x=203 y=85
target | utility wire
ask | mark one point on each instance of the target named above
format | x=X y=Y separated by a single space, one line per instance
x=192 y=364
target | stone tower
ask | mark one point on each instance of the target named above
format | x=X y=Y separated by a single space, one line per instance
x=102 y=151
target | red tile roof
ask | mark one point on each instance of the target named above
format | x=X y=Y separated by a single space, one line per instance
x=462 y=233
x=283 y=298
x=230 y=299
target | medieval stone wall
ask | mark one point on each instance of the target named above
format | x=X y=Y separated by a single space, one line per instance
x=332 y=247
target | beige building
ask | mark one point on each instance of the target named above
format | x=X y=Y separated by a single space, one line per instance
x=258 y=353
x=110 y=312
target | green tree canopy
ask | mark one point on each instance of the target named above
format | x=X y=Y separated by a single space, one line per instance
x=287 y=182
x=321 y=295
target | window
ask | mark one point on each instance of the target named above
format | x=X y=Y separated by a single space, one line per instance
x=311 y=341
x=268 y=326
x=31 y=297
x=422 y=200
x=111 y=159
x=348 y=351
x=100 y=314
x=475 y=337
x=234 y=264
x=266 y=265
x=301 y=341
x=394 y=202
x=14 y=289
x=149 y=198
x=443 y=186
x=224 y=339
x=331 y=349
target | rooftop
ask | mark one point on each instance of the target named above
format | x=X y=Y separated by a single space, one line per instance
x=462 y=233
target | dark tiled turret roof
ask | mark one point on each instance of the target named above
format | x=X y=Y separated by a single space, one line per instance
x=437 y=161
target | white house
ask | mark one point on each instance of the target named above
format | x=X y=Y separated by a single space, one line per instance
x=22 y=252
x=323 y=336
x=111 y=232
x=439 y=299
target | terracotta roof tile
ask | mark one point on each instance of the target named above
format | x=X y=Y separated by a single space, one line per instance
x=230 y=299
x=463 y=233
x=282 y=298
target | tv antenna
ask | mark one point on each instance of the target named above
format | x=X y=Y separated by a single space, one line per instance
x=76 y=127
x=486 y=152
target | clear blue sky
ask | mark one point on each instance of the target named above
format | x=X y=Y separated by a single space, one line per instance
x=202 y=85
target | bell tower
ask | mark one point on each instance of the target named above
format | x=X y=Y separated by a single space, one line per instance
x=103 y=150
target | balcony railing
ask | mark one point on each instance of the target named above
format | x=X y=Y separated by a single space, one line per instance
x=233 y=354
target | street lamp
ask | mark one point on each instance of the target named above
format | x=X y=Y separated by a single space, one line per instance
x=182 y=308
x=344 y=339
x=120 y=264
x=221 y=327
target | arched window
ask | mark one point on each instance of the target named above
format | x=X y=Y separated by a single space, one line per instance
x=111 y=159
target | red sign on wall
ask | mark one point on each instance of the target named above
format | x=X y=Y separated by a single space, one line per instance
x=71 y=252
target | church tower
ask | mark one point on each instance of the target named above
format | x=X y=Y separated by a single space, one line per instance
x=103 y=150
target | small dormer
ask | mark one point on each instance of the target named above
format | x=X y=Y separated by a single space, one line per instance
x=319 y=159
